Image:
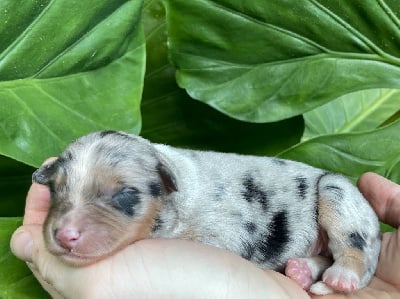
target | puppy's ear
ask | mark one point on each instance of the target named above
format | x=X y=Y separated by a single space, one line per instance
x=44 y=173
x=167 y=178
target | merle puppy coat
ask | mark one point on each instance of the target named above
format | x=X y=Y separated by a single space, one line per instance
x=109 y=189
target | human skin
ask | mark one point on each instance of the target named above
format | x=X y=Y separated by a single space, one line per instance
x=183 y=269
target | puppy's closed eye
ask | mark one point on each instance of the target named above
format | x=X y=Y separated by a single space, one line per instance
x=126 y=199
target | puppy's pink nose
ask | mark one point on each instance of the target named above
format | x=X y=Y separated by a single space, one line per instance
x=67 y=237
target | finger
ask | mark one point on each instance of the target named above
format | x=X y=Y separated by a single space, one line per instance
x=389 y=260
x=383 y=195
x=21 y=244
x=37 y=202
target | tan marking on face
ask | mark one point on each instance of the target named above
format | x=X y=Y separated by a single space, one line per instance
x=143 y=230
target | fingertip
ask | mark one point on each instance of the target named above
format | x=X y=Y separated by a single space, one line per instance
x=42 y=189
x=383 y=195
x=367 y=185
x=366 y=178
x=371 y=185
x=21 y=244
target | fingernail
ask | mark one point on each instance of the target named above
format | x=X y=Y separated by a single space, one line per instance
x=22 y=244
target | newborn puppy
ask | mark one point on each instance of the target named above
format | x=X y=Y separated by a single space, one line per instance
x=110 y=189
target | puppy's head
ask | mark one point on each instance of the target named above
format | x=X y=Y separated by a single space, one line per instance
x=106 y=188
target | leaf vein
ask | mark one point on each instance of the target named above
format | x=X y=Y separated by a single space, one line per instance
x=154 y=30
x=389 y=13
x=57 y=102
x=268 y=25
x=36 y=118
x=158 y=70
x=250 y=68
x=365 y=113
x=367 y=42
x=350 y=156
x=151 y=101
x=76 y=42
x=21 y=37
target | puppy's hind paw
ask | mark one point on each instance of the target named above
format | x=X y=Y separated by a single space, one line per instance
x=299 y=271
x=341 y=279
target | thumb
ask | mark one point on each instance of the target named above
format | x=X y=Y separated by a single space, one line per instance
x=21 y=243
x=27 y=244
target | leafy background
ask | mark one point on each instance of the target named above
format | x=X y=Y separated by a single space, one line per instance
x=313 y=81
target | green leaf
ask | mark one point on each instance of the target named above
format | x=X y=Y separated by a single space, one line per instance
x=354 y=112
x=353 y=153
x=16 y=280
x=264 y=61
x=171 y=116
x=67 y=68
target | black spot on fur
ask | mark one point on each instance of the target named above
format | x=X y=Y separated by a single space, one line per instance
x=113 y=132
x=279 y=161
x=158 y=223
x=44 y=174
x=107 y=132
x=220 y=192
x=276 y=239
x=253 y=192
x=250 y=227
x=192 y=154
x=357 y=241
x=302 y=186
x=52 y=189
x=126 y=199
x=64 y=158
x=336 y=190
x=248 y=250
x=236 y=214
x=155 y=189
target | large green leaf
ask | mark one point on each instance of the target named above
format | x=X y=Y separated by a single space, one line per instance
x=171 y=116
x=354 y=112
x=267 y=60
x=105 y=89
x=67 y=68
x=16 y=280
x=353 y=153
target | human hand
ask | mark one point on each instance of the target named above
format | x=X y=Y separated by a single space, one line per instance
x=145 y=269
x=384 y=197
x=180 y=269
